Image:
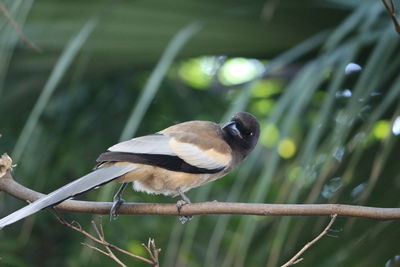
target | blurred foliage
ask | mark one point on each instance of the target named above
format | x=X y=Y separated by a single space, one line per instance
x=109 y=70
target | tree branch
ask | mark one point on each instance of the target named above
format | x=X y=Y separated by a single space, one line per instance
x=8 y=185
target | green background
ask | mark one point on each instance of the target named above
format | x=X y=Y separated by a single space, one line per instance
x=104 y=71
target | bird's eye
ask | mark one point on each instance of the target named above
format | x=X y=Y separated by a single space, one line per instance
x=248 y=133
x=243 y=130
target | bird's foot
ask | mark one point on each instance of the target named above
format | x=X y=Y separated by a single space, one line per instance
x=184 y=219
x=118 y=201
x=114 y=209
x=180 y=203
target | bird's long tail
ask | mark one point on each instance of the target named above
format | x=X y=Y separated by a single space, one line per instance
x=79 y=186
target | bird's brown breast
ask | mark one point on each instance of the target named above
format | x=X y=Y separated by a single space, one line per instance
x=155 y=180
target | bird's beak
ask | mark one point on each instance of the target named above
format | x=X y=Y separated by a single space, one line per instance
x=231 y=128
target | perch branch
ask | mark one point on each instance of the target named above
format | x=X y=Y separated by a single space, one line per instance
x=10 y=186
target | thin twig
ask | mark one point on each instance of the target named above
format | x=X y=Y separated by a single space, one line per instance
x=112 y=256
x=295 y=259
x=390 y=8
x=17 y=28
x=94 y=248
x=153 y=251
x=101 y=236
x=101 y=241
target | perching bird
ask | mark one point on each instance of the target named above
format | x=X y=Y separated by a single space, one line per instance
x=169 y=162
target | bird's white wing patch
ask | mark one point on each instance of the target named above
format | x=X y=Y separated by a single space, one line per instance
x=207 y=159
x=149 y=144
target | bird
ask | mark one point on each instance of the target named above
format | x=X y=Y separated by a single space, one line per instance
x=169 y=162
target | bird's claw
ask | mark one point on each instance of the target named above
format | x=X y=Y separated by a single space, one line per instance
x=184 y=219
x=118 y=201
x=179 y=204
x=116 y=205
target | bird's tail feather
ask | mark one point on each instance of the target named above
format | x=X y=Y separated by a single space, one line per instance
x=79 y=186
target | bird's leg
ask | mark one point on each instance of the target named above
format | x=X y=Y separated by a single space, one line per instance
x=182 y=202
x=185 y=199
x=118 y=200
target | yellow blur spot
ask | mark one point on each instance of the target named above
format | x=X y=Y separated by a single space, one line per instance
x=239 y=70
x=286 y=148
x=263 y=106
x=269 y=135
x=381 y=129
x=266 y=88
x=197 y=72
x=136 y=248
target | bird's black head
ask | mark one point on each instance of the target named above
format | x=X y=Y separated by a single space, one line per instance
x=242 y=132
